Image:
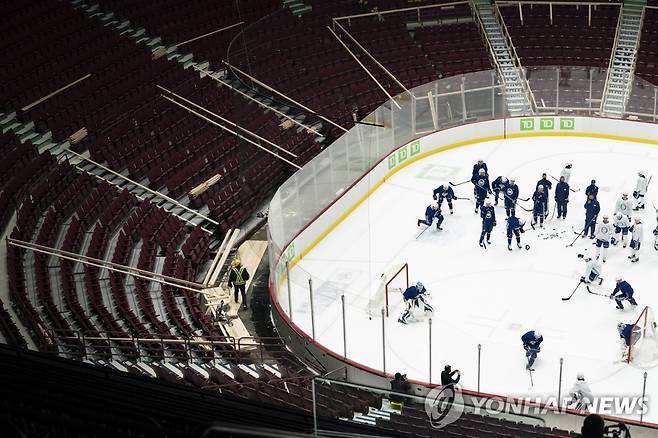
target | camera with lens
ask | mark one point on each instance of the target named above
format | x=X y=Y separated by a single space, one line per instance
x=616 y=431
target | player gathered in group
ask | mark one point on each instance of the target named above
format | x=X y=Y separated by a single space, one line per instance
x=625 y=229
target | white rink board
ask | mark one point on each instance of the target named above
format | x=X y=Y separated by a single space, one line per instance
x=488 y=297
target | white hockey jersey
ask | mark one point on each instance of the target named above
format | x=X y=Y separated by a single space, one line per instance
x=566 y=173
x=623 y=222
x=642 y=183
x=637 y=231
x=624 y=207
x=582 y=394
x=603 y=232
x=593 y=266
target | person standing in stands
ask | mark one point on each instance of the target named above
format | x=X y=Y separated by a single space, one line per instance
x=448 y=376
x=401 y=385
x=237 y=279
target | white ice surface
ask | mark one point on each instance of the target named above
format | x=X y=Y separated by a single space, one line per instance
x=488 y=297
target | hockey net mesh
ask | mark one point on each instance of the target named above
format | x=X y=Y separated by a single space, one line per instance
x=643 y=351
x=392 y=283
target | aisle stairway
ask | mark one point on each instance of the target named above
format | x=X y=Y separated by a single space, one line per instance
x=621 y=71
x=507 y=63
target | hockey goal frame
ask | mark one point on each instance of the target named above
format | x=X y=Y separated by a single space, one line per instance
x=394 y=274
x=644 y=323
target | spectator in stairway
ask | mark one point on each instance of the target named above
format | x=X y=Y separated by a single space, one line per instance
x=399 y=384
x=237 y=279
x=448 y=376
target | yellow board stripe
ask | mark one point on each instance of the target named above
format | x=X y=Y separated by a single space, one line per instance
x=426 y=154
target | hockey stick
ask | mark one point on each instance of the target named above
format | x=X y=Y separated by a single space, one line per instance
x=567 y=183
x=421 y=233
x=581 y=233
x=594 y=293
x=459 y=184
x=532 y=384
x=554 y=208
x=463 y=199
x=517 y=203
x=572 y=293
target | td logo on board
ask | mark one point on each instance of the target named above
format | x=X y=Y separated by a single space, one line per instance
x=547 y=124
x=403 y=153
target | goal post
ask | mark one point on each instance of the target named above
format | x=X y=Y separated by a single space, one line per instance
x=394 y=280
x=643 y=348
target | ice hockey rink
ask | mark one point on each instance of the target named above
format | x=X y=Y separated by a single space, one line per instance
x=488 y=296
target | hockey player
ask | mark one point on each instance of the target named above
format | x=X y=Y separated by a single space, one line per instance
x=511 y=194
x=479 y=166
x=603 y=235
x=622 y=225
x=514 y=226
x=415 y=297
x=547 y=189
x=444 y=192
x=624 y=205
x=480 y=188
x=581 y=394
x=640 y=190
x=623 y=292
x=488 y=215
x=562 y=197
x=566 y=173
x=539 y=207
x=637 y=233
x=532 y=345
x=629 y=334
x=432 y=211
x=593 y=270
x=592 y=209
x=592 y=189
x=498 y=185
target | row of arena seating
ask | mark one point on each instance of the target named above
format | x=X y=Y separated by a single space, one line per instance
x=647 y=60
x=177 y=22
x=94 y=219
x=568 y=40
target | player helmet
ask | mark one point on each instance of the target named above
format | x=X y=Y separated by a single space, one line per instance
x=420 y=286
x=620 y=325
x=580 y=376
x=540 y=187
x=568 y=166
x=482 y=171
x=618 y=279
x=618 y=216
x=637 y=220
x=605 y=217
x=503 y=179
x=445 y=186
x=488 y=203
x=434 y=205
x=537 y=334
x=480 y=161
x=624 y=195
x=640 y=172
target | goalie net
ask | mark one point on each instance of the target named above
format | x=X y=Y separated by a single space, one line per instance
x=392 y=283
x=643 y=351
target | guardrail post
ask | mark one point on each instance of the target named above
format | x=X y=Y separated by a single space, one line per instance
x=479 y=363
x=429 y=325
x=342 y=300
x=463 y=95
x=310 y=292
x=559 y=388
x=384 y=340
x=644 y=392
x=315 y=408
x=289 y=290
x=655 y=99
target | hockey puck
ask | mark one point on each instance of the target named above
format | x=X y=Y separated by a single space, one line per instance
x=527 y=247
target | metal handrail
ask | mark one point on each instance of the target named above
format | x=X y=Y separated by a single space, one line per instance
x=516 y=60
x=612 y=57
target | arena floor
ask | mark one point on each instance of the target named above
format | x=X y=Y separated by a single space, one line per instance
x=488 y=296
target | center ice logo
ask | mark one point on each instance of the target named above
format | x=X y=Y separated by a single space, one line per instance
x=444 y=405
